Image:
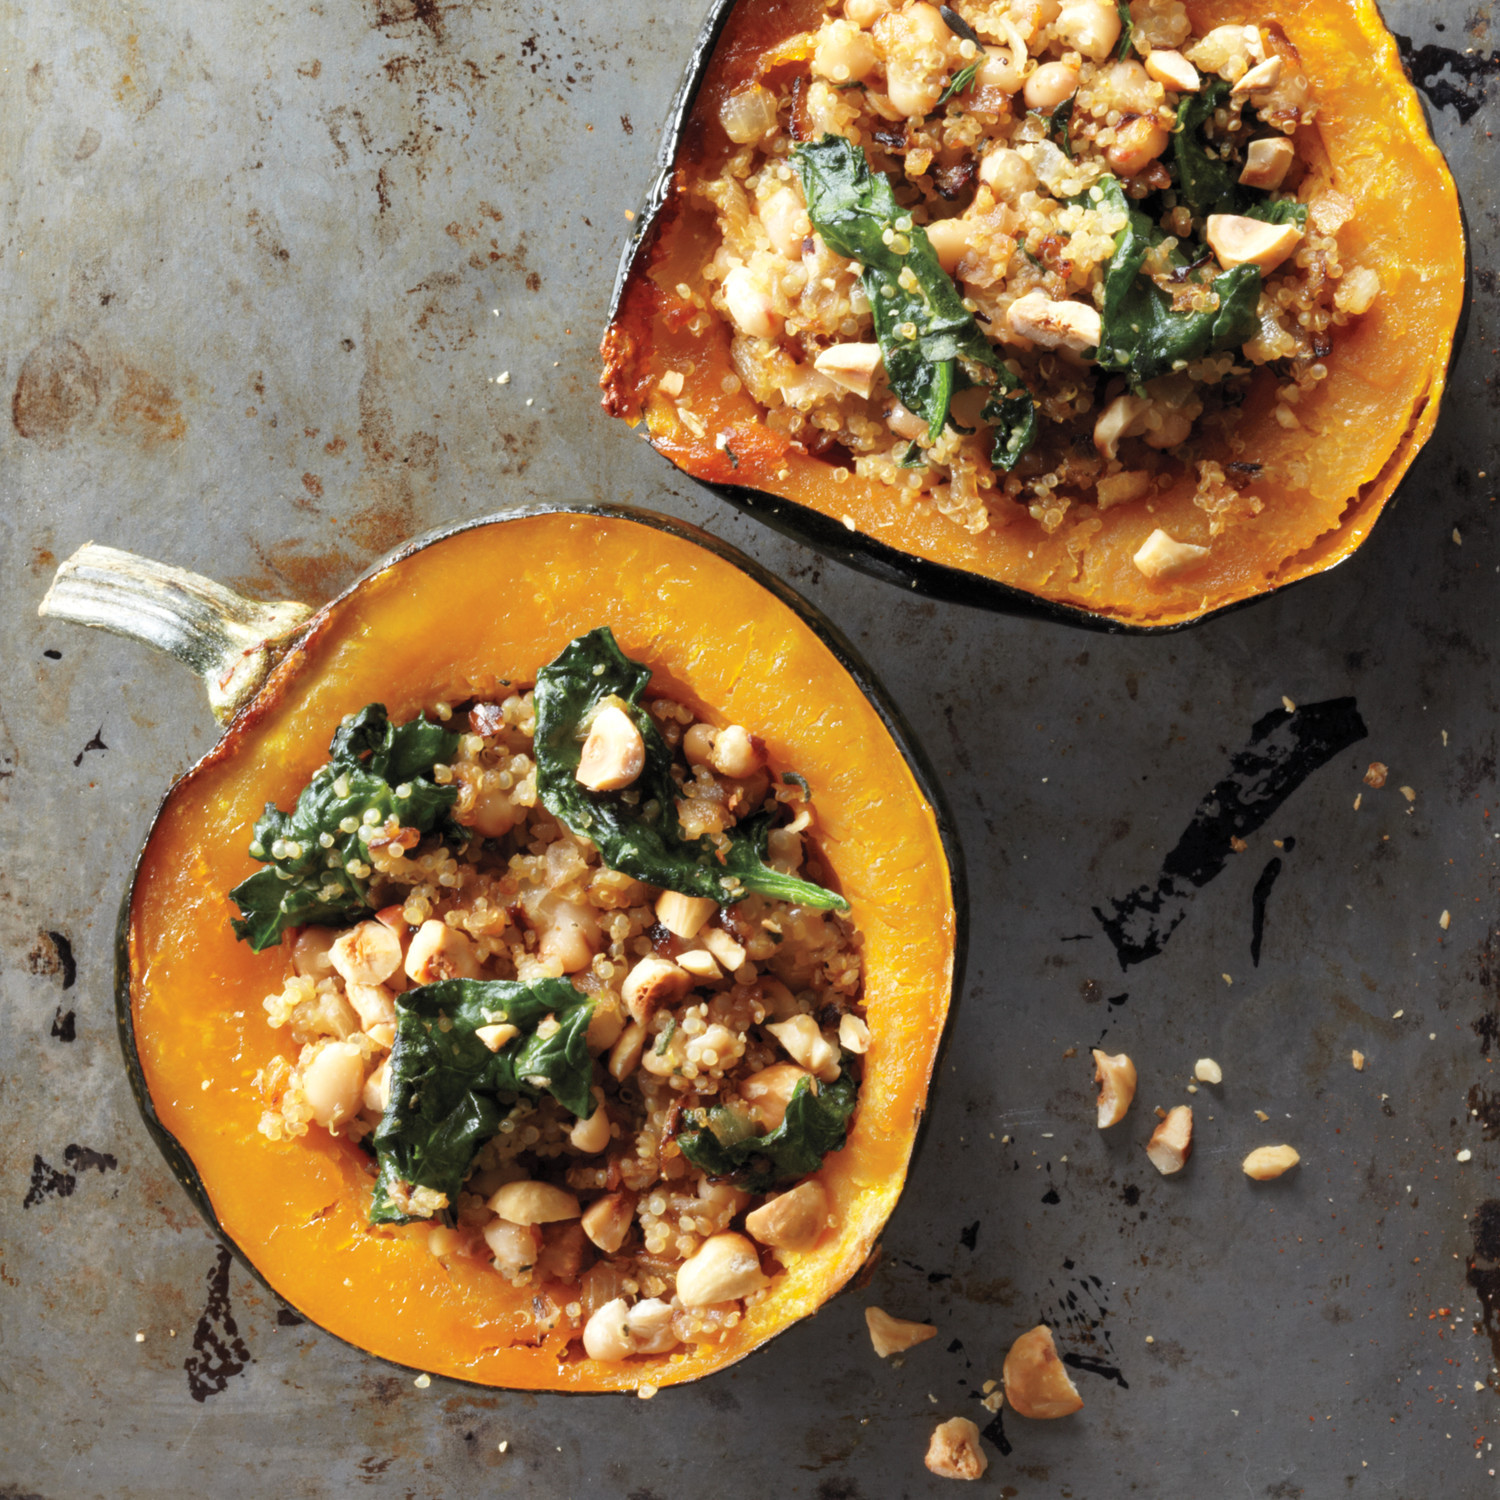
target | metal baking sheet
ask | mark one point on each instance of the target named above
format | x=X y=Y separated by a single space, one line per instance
x=262 y=267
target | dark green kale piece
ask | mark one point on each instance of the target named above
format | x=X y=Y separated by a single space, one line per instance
x=637 y=831
x=721 y=1142
x=449 y=1091
x=923 y=328
x=376 y=770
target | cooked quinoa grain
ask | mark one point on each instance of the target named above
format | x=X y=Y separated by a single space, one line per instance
x=629 y=1247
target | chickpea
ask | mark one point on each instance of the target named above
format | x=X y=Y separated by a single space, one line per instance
x=650 y=1326
x=998 y=70
x=1007 y=174
x=606 y=1335
x=569 y=934
x=494 y=812
x=786 y=222
x=310 y=952
x=904 y=423
x=1137 y=144
x=844 y=53
x=769 y=1091
x=592 y=1135
x=1050 y=85
x=1089 y=27
x=915 y=44
x=735 y=753
x=950 y=241
x=866 y=12
x=698 y=744
x=513 y=1246
x=749 y=304
x=333 y=1083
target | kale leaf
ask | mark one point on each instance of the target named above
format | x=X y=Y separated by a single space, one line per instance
x=1279 y=211
x=1127 y=30
x=1205 y=183
x=1061 y=119
x=815 y=1124
x=374 y=767
x=923 y=328
x=449 y=1092
x=637 y=831
x=1142 y=337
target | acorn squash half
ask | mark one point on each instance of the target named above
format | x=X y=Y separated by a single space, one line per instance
x=446 y=618
x=1360 y=429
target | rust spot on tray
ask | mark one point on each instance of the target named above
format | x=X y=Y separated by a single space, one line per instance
x=427 y=13
x=57 y=391
x=146 y=410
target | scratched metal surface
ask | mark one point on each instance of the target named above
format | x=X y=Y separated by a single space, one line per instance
x=260 y=266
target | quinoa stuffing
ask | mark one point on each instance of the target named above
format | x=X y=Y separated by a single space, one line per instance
x=1021 y=259
x=614 y=1090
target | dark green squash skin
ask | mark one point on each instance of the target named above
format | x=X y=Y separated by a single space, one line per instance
x=867 y=555
x=923 y=773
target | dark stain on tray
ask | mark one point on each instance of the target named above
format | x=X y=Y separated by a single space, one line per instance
x=1428 y=64
x=97 y=743
x=1092 y=1366
x=1258 y=898
x=1284 y=750
x=48 y=1181
x=219 y=1353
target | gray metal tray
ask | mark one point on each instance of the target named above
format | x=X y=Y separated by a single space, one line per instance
x=261 y=269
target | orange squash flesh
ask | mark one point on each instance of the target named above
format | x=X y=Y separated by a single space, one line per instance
x=1323 y=485
x=445 y=623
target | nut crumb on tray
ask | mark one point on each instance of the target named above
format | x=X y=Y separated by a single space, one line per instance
x=890 y=1335
x=954 y=1451
x=1036 y=1381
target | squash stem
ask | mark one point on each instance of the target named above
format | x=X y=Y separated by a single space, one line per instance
x=231 y=642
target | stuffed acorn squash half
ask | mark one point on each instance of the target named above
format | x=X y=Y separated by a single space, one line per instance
x=1119 y=314
x=540 y=982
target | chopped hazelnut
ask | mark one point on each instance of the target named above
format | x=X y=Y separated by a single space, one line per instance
x=1268 y=1162
x=891 y=1335
x=1116 y=1078
x=1206 y=1070
x=954 y=1452
x=1036 y=1381
x=1171 y=1142
x=1358 y=1059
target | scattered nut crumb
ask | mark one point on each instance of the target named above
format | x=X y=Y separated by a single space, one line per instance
x=140 y=1338
x=1287 y=704
x=1036 y=1381
x=954 y=1452
x=1226 y=979
x=1206 y=1070
x=1071 y=1052
x=1358 y=798
x=1268 y=1162
x=1465 y=1154
x=1171 y=1142
x=1410 y=793
x=504 y=1446
x=1237 y=844
x=1397 y=1014
x=1376 y=774
x=1444 y=921
x=1358 y=1059
x=646 y=1390
x=422 y=1382
x=1458 y=540
x=890 y=1335
x=1262 y=1116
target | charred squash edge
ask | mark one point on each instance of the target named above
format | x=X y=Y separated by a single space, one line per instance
x=940 y=581
x=175 y=1154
